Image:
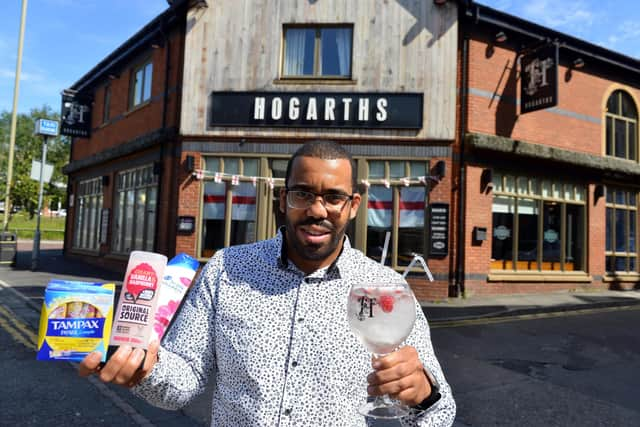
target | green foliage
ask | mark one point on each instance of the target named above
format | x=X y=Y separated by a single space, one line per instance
x=28 y=147
x=51 y=228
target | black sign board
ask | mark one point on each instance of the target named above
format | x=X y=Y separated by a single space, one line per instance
x=439 y=229
x=317 y=110
x=76 y=116
x=539 y=83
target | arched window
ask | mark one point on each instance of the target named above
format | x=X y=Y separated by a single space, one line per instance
x=622 y=126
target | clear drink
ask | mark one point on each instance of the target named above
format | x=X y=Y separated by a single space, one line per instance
x=381 y=315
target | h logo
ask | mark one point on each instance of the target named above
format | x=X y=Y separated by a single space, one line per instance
x=536 y=72
x=75 y=113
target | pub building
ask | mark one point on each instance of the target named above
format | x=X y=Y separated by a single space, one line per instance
x=191 y=129
x=550 y=159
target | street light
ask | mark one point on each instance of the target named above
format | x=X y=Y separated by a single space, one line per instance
x=14 y=118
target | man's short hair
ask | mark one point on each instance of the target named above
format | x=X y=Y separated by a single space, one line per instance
x=326 y=150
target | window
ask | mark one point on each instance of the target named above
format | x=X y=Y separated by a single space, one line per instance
x=538 y=225
x=87 y=216
x=317 y=52
x=229 y=204
x=135 y=210
x=621 y=126
x=395 y=209
x=622 y=231
x=106 y=104
x=141 y=84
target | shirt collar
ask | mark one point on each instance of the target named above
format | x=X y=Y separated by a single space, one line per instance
x=326 y=273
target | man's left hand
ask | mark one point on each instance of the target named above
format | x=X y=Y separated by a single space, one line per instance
x=400 y=375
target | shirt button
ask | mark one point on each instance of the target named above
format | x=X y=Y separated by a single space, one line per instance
x=294 y=363
x=300 y=319
x=287 y=411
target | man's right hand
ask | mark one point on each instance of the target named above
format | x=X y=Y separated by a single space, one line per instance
x=123 y=367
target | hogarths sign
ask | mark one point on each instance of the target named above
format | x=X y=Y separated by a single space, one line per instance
x=76 y=116
x=317 y=110
x=539 y=84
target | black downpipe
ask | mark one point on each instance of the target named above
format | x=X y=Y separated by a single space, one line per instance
x=164 y=142
x=68 y=218
x=460 y=273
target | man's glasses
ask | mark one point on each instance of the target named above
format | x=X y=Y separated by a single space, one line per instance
x=299 y=199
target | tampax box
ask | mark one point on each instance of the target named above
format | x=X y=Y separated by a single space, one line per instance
x=75 y=320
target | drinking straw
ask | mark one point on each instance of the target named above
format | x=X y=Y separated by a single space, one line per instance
x=386 y=246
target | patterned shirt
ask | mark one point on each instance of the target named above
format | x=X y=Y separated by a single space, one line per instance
x=277 y=344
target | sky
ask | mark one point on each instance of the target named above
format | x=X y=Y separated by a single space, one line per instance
x=65 y=38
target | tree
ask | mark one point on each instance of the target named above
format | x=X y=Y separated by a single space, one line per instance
x=28 y=147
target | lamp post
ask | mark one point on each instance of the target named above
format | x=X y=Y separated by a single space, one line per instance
x=46 y=128
x=14 y=116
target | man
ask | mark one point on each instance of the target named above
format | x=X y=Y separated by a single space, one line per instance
x=266 y=322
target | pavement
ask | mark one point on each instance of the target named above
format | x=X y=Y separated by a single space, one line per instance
x=52 y=264
x=22 y=289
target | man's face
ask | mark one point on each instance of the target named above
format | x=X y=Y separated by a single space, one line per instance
x=314 y=235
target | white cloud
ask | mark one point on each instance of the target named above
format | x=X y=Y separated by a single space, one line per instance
x=502 y=4
x=560 y=15
x=626 y=39
x=24 y=76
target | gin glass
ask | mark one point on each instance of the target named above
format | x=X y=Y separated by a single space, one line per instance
x=381 y=315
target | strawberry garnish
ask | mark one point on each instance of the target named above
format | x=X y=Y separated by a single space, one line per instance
x=386 y=303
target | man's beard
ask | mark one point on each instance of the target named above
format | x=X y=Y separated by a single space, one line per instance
x=314 y=252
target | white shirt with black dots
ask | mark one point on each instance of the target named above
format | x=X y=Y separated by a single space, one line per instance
x=277 y=344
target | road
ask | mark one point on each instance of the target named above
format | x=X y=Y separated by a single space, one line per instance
x=575 y=370
x=568 y=370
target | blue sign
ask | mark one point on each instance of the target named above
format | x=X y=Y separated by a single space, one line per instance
x=47 y=127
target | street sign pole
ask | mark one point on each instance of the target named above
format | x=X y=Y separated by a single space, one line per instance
x=35 y=253
x=46 y=128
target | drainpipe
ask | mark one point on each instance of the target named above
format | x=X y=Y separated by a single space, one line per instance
x=164 y=142
x=67 y=219
x=460 y=273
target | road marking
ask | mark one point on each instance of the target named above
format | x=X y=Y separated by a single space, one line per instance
x=23 y=334
x=492 y=320
x=26 y=330
x=15 y=334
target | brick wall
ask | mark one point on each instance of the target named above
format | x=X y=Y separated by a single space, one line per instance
x=189 y=205
x=124 y=123
x=494 y=87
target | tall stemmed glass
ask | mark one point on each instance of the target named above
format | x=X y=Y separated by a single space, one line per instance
x=381 y=315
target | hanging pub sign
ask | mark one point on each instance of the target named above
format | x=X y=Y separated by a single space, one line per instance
x=539 y=83
x=317 y=110
x=76 y=115
x=438 y=229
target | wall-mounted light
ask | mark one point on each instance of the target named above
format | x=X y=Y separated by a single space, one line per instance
x=599 y=192
x=575 y=64
x=112 y=76
x=440 y=169
x=486 y=180
x=501 y=37
x=189 y=164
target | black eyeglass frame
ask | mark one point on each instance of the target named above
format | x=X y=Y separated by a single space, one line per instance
x=325 y=204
